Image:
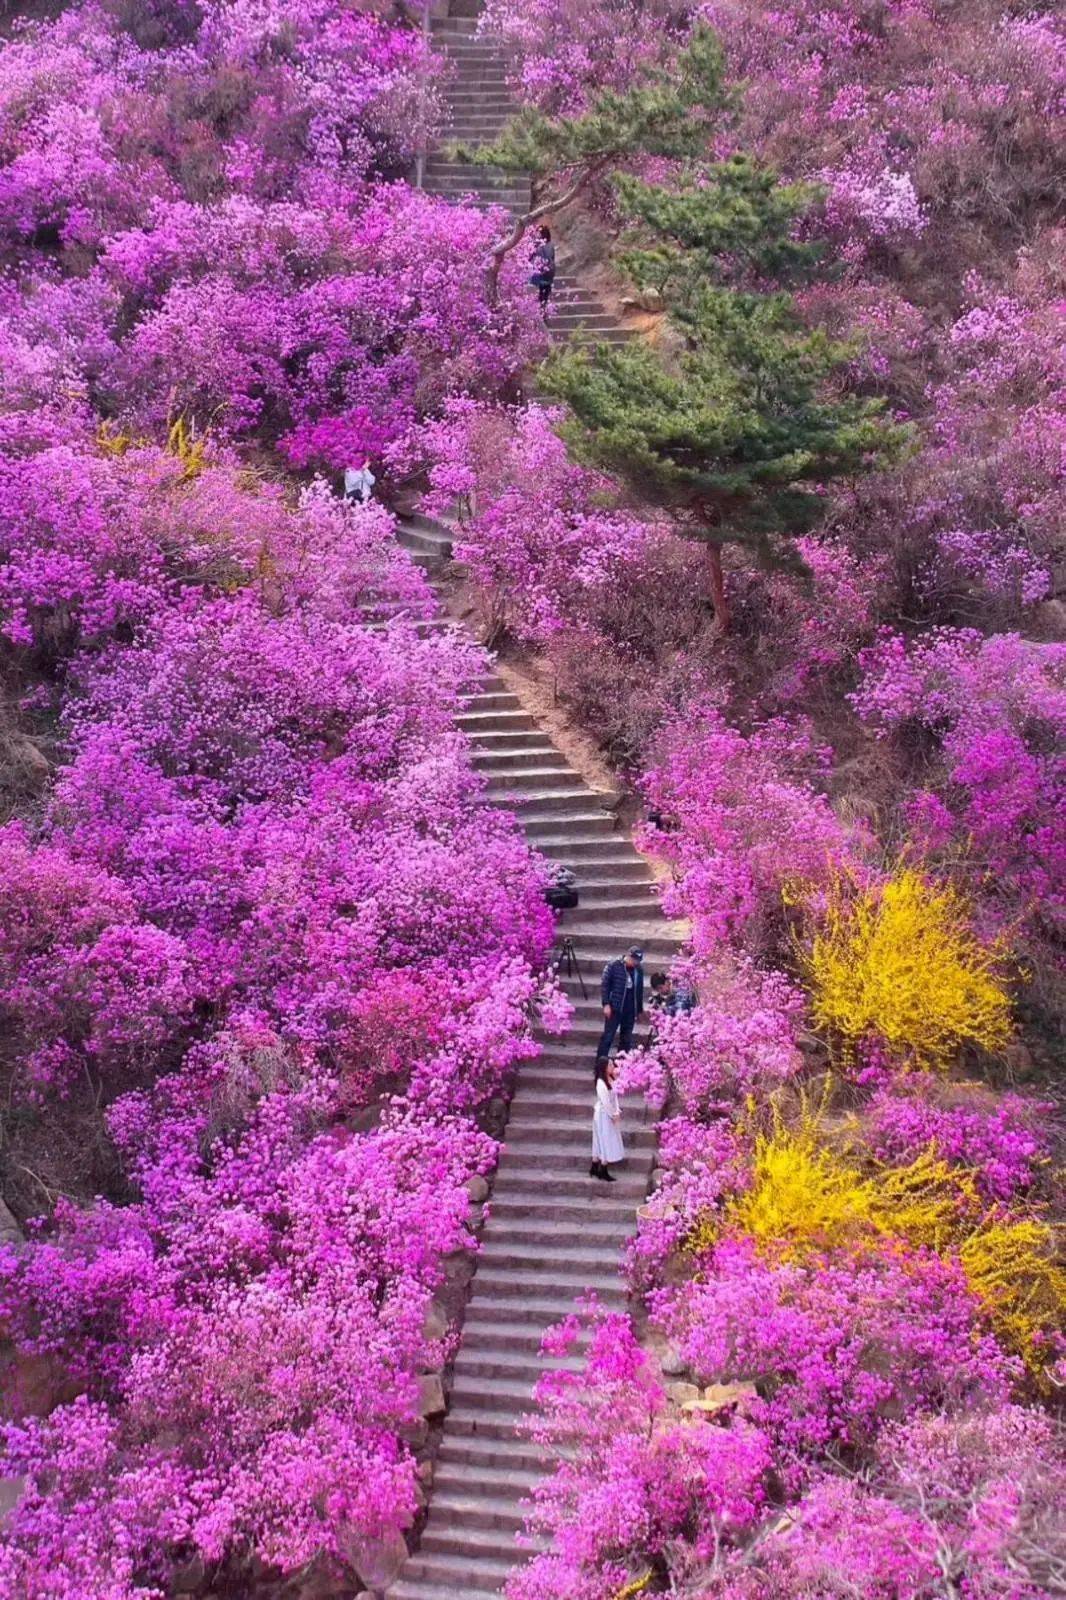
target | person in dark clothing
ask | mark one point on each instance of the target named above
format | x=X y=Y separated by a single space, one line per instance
x=670 y=998
x=622 y=997
x=544 y=267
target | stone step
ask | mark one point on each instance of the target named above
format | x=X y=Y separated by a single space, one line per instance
x=593 y=846
x=507 y=722
x=518 y=1366
x=427 y=1589
x=475 y=1543
x=466 y=1575
x=543 y=757
x=553 y=774
x=605 y=878
x=549 y=799
x=579 y=820
x=461 y=1451
x=466 y=1423
x=465 y=1478
x=574 y=1138
x=592 y=947
x=489 y=702
x=572 y=1211
x=534 y=1231
x=568 y=1177
x=467 y=1509
x=559 y=1283
x=500 y=741
x=615 y=908
x=513 y=1339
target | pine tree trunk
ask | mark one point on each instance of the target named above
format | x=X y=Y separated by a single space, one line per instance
x=718 y=594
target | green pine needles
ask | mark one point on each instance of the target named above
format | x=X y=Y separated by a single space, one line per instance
x=741 y=415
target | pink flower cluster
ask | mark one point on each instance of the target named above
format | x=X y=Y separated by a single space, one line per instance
x=738 y=817
x=996 y=709
x=262 y=931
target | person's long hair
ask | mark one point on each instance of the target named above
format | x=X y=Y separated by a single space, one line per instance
x=602 y=1063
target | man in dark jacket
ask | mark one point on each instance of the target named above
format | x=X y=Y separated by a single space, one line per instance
x=622 y=995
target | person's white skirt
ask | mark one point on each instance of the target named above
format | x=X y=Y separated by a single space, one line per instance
x=607 y=1143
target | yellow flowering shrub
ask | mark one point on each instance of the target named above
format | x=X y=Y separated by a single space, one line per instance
x=113 y=441
x=807 y=1196
x=804 y=1195
x=188 y=446
x=638 y=1586
x=902 y=961
x=1013 y=1269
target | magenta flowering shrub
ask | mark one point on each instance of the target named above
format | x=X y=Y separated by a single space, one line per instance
x=247 y=1340
x=537 y=535
x=1004 y=1141
x=630 y=1492
x=835 y=1347
x=330 y=332
x=996 y=710
x=264 y=902
x=964 y=1502
x=560 y=50
x=85 y=982
x=739 y=818
x=264 y=863
x=297 y=100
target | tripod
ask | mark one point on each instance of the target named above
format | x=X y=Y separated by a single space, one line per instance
x=569 y=963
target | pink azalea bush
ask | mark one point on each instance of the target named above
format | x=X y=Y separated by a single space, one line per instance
x=1005 y=1143
x=264 y=863
x=995 y=708
x=261 y=930
x=535 y=533
x=738 y=817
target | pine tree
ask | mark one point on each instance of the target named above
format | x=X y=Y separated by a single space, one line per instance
x=665 y=113
x=740 y=417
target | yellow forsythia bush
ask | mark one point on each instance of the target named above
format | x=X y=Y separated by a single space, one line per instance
x=901 y=960
x=1012 y=1267
x=804 y=1195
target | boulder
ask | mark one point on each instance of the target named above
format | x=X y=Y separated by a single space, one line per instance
x=415 y=1433
x=683 y=1394
x=378 y=1561
x=436 y=1324
x=672 y=1364
x=189 y=1577
x=477 y=1189
x=430 y=1394
x=716 y=1396
x=10 y=1495
x=10 y=1232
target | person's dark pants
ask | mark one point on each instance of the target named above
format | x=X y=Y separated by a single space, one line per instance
x=622 y=1025
x=544 y=289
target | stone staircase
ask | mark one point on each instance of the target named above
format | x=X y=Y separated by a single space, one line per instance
x=480 y=105
x=552 y=1233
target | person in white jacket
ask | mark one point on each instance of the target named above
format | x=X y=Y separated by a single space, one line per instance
x=359 y=482
x=607 y=1145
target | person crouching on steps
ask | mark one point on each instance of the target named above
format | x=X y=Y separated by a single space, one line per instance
x=622 y=998
x=607 y=1143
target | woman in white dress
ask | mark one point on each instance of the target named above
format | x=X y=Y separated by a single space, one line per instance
x=607 y=1143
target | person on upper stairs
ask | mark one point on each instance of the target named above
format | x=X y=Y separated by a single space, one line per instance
x=359 y=482
x=607 y=1146
x=622 y=998
x=543 y=267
